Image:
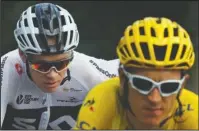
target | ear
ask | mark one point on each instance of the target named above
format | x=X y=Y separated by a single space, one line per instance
x=187 y=76
x=22 y=56
x=122 y=79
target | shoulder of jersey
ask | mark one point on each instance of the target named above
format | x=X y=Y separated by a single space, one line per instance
x=79 y=60
x=189 y=97
x=13 y=61
x=189 y=119
x=108 y=87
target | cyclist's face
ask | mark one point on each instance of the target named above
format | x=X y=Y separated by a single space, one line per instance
x=151 y=109
x=50 y=81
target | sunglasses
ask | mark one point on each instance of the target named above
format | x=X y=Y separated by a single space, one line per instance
x=45 y=67
x=144 y=85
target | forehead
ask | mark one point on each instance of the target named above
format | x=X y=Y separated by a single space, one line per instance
x=53 y=57
x=154 y=73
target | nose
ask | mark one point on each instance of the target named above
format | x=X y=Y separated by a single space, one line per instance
x=52 y=73
x=154 y=96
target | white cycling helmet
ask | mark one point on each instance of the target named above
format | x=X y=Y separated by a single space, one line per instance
x=42 y=21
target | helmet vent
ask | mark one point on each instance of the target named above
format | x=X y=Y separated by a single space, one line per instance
x=70 y=19
x=125 y=47
x=166 y=34
x=175 y=31
x=33 y=9
x=191 y=56
x=131 y=33
x=142 y=32
x=121 y=50
x=71 y=36
x=168 y=66
x=158 y=21
x=134 y=49
x=58 y=9
x=185 y=36
x=150 y=65
x=30 y=50
x=35 y=22
x=153 y=32
x=174 y=51
x=20 y=22
x=45 y=24
x=25 y=22
x=24 y=39
x=19 y=38
x=64 y=34
x=160 y=52
x=31 y=40
x=183 y=51
x=55 y=23
x=132 y=62
x=183 y=64
x=145 y=50
x=63 y=20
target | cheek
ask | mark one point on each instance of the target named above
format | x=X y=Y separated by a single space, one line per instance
x=170 y=102
x=62 y=74
x=135 y=100
x=36 y=76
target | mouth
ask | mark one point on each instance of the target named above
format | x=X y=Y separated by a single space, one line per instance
x=52 y=84
x=153 y=111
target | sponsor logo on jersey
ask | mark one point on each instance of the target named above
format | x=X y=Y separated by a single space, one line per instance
x=90 y=104
x=37 y=118
x=25 y=99
x=18 y=68
x=102 y=70
x=70 y=99
x=71 y=90
x=2 y=66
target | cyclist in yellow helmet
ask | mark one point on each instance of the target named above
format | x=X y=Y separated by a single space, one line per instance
x=150 y=91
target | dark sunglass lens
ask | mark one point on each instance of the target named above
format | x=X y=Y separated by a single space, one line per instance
x=169 y=87
x=44 y=67
x=59 y=66
x=142 y=84
x=62 y=64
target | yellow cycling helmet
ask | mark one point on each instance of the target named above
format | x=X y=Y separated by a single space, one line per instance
x=156 y=43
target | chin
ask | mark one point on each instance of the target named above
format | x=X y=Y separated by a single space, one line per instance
x=152 y=122
x=49 y=90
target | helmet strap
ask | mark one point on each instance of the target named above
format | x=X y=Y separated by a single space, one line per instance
x=125 y=102
x=28 y=70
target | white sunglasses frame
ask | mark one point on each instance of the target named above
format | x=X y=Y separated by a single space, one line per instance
x=155 y=84
x=53 y=67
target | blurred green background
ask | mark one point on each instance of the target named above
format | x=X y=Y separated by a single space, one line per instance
x=101 y=23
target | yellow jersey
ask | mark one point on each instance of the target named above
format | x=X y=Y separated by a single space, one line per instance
x=101 y=109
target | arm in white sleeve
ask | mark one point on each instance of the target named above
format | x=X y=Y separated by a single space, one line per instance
x=5 y=80
x=100 y=70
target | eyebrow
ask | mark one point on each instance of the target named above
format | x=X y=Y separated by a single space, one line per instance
x=44 y=61
x=69 y=55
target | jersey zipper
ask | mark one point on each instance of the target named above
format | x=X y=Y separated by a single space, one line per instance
x=45 y=116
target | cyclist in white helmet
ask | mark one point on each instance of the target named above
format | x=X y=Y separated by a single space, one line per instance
x=44 y=81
